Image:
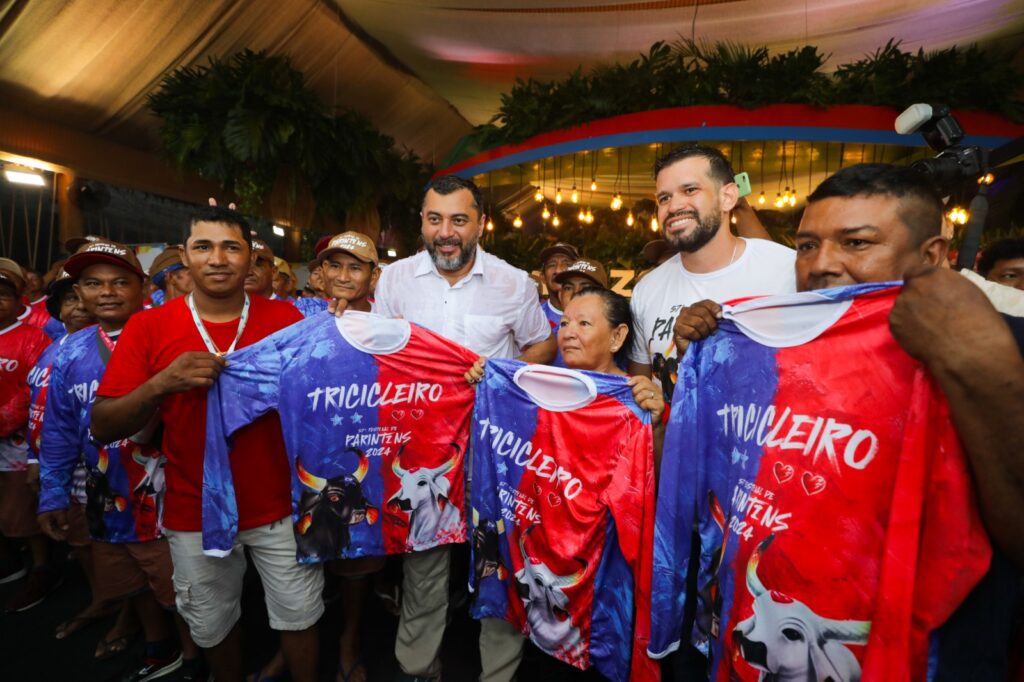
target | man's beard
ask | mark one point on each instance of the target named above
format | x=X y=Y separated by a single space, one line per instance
x=454 y=263
x=707 y=227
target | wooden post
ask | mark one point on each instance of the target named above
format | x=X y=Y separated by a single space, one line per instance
x=72 y=224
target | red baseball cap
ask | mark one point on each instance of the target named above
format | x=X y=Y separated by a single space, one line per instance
x=110 y=253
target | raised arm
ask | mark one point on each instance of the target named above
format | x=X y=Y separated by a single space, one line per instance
x=946 y=322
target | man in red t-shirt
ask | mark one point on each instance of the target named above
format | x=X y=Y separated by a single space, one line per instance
x=163 y=365
x=20 y=348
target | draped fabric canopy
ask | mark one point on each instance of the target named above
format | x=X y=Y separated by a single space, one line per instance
x=421 y=70
x=470 y=51
x=89 y=64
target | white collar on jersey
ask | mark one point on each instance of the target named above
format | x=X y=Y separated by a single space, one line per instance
x=557 y=389
x=786 y=320
x=373 y=334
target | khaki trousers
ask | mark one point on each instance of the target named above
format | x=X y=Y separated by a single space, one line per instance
x=424 y=616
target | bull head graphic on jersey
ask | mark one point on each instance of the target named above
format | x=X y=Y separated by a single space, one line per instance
x=152 y=483
x=424 y=495
x=486 y=555
x=710 y=610
x=330 y=506
x=547 y=606
x=786 y=640
x=100 y=498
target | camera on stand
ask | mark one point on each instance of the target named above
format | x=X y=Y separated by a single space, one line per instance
x=954 y=166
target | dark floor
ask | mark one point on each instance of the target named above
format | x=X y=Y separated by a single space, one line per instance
x=29 y=651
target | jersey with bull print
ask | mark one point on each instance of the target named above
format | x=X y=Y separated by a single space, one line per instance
x=375 y=414
x=836 y=518
x=562 y=513
x=124 y=480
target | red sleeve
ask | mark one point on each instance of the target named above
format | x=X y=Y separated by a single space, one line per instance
x=630 y=498
x=129 y=365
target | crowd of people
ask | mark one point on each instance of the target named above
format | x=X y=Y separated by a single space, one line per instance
x=106 y=369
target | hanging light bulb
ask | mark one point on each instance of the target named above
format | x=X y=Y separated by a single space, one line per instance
x=490 y=225
x=616 y=202
x=778 y=200
x=654 y=224
x=593 y=185
x=590 y=217
x=518 y=221
x=785 y=195
x=545 y=214
x=538 y=195
x=732 y=218
x=555 y=221
x=575 y=196
x=792 y=198
x=558 y=195
x=582 y=216
x=630 y=219
x=761 y=199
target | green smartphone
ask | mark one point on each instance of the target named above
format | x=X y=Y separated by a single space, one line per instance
x=743 y=182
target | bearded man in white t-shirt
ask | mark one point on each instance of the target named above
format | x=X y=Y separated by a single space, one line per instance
x=695 y=191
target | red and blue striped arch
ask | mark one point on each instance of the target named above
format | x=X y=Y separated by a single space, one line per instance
x=859 y=124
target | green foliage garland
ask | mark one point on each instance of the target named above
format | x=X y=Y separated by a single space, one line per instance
x=688 y=73
x=249 y=120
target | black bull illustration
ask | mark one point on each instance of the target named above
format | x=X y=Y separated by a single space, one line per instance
x=329 y=507
x=100 y=498
x=486 y=554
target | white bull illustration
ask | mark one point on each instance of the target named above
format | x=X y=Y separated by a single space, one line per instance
x=788 y=642
x=547 y=606
x=424 y=495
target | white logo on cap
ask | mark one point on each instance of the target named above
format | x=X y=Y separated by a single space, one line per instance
x=103 y=247
x=347 y=242
x=576 y=267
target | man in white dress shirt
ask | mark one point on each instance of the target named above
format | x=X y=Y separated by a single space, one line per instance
x=455 y=288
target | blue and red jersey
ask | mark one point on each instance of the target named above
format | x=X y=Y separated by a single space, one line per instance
x=836 y=518
x=375 y=415
x=38 y=386
x=310 y=305
x=563 y=513
x=125 y=479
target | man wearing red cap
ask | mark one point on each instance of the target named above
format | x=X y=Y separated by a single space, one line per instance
x=124 y=485
x=20 y=348
x=32 y=311
x=166 y=359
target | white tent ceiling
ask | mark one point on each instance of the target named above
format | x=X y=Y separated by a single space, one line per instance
x=419 y=69
x=470 y=51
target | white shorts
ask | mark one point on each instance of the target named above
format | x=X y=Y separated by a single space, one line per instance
x=208 y=589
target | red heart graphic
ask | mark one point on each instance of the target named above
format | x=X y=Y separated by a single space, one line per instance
x=398 y=414
x=783 y=472
x=554 y=500
x=416 y=414
x=813 y=483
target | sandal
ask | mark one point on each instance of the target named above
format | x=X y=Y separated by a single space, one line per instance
x=80 y=622
x=258 y=676
x=347 y=676
x=108 y=648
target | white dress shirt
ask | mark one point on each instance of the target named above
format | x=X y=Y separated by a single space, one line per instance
x=493 y=310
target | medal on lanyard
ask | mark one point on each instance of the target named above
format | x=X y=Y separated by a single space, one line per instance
x=207 y=339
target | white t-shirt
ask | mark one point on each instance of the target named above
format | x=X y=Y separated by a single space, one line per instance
x=493 y=310
x=763 y=268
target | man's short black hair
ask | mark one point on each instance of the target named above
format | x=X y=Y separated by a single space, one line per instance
x=446 y=184
x=920 y=202
x=1004 y=249
x=719 y=167
x=217 y=214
